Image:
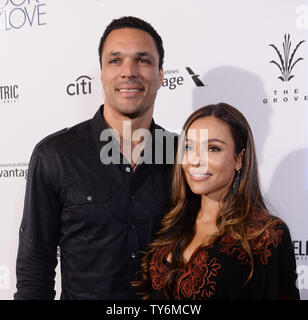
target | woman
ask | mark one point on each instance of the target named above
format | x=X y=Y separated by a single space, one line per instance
x=219 y=241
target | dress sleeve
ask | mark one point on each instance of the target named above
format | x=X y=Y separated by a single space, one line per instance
x=275 y=266
x=38 y=233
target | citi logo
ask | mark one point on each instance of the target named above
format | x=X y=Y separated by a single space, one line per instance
x=195 y=78
x=82 y=85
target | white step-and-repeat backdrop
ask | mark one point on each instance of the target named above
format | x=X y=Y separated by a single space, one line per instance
x=251 y=54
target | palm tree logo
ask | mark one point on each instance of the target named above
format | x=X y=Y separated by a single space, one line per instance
x=286 y=65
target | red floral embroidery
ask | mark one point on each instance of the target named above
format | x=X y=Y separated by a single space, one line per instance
x=196 y=279
x=259 y=245
x=157 y=268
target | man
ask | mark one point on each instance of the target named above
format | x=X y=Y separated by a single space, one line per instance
x=100 y=215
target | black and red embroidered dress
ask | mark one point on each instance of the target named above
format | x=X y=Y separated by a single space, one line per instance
x=218 y=271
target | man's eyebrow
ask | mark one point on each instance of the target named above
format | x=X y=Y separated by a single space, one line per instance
x=138 y=53
x=115 y=53
x=144 y=54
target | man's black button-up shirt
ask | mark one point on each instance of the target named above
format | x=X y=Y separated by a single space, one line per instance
x=100 y=216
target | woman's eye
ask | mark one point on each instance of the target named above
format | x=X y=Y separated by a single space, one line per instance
x=213 y=149
x=188 y=147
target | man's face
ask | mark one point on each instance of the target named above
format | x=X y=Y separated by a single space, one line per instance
x=130 y=74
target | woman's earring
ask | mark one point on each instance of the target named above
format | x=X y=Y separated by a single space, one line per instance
x=236 y=182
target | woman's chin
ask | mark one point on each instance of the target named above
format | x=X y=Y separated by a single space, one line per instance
x=200 y=191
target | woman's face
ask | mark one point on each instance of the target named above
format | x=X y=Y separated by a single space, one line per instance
x=209 y=162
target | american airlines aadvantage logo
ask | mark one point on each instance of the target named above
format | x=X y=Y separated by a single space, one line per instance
x=195 y=77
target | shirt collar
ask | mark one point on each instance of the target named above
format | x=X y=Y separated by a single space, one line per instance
x=98 y=124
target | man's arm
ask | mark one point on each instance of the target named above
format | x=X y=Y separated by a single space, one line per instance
x=39 y=232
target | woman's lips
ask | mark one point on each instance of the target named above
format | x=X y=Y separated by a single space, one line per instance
x=200 y=177
x=199 y=174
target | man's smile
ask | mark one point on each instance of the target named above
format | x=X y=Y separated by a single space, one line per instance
x=130 y=90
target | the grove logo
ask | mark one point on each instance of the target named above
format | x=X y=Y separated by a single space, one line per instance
x=16 y=14
x=82 y=85
x=287 y=60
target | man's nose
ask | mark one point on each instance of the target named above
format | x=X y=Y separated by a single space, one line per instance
x=129 y=69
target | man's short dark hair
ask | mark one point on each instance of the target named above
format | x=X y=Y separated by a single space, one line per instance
x=134 y=23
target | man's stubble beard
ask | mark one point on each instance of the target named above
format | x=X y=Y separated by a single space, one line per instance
x=134 y=114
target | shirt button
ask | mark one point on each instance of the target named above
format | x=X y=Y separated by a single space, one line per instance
x=133 y=226
x=89 y=198
x=132 y=197
x=127 y=169
x=133 y=255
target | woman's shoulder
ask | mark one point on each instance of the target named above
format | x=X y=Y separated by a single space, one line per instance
x=266 y=233
x=261 y=221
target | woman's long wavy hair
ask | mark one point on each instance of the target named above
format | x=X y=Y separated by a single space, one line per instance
x=178 y=225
